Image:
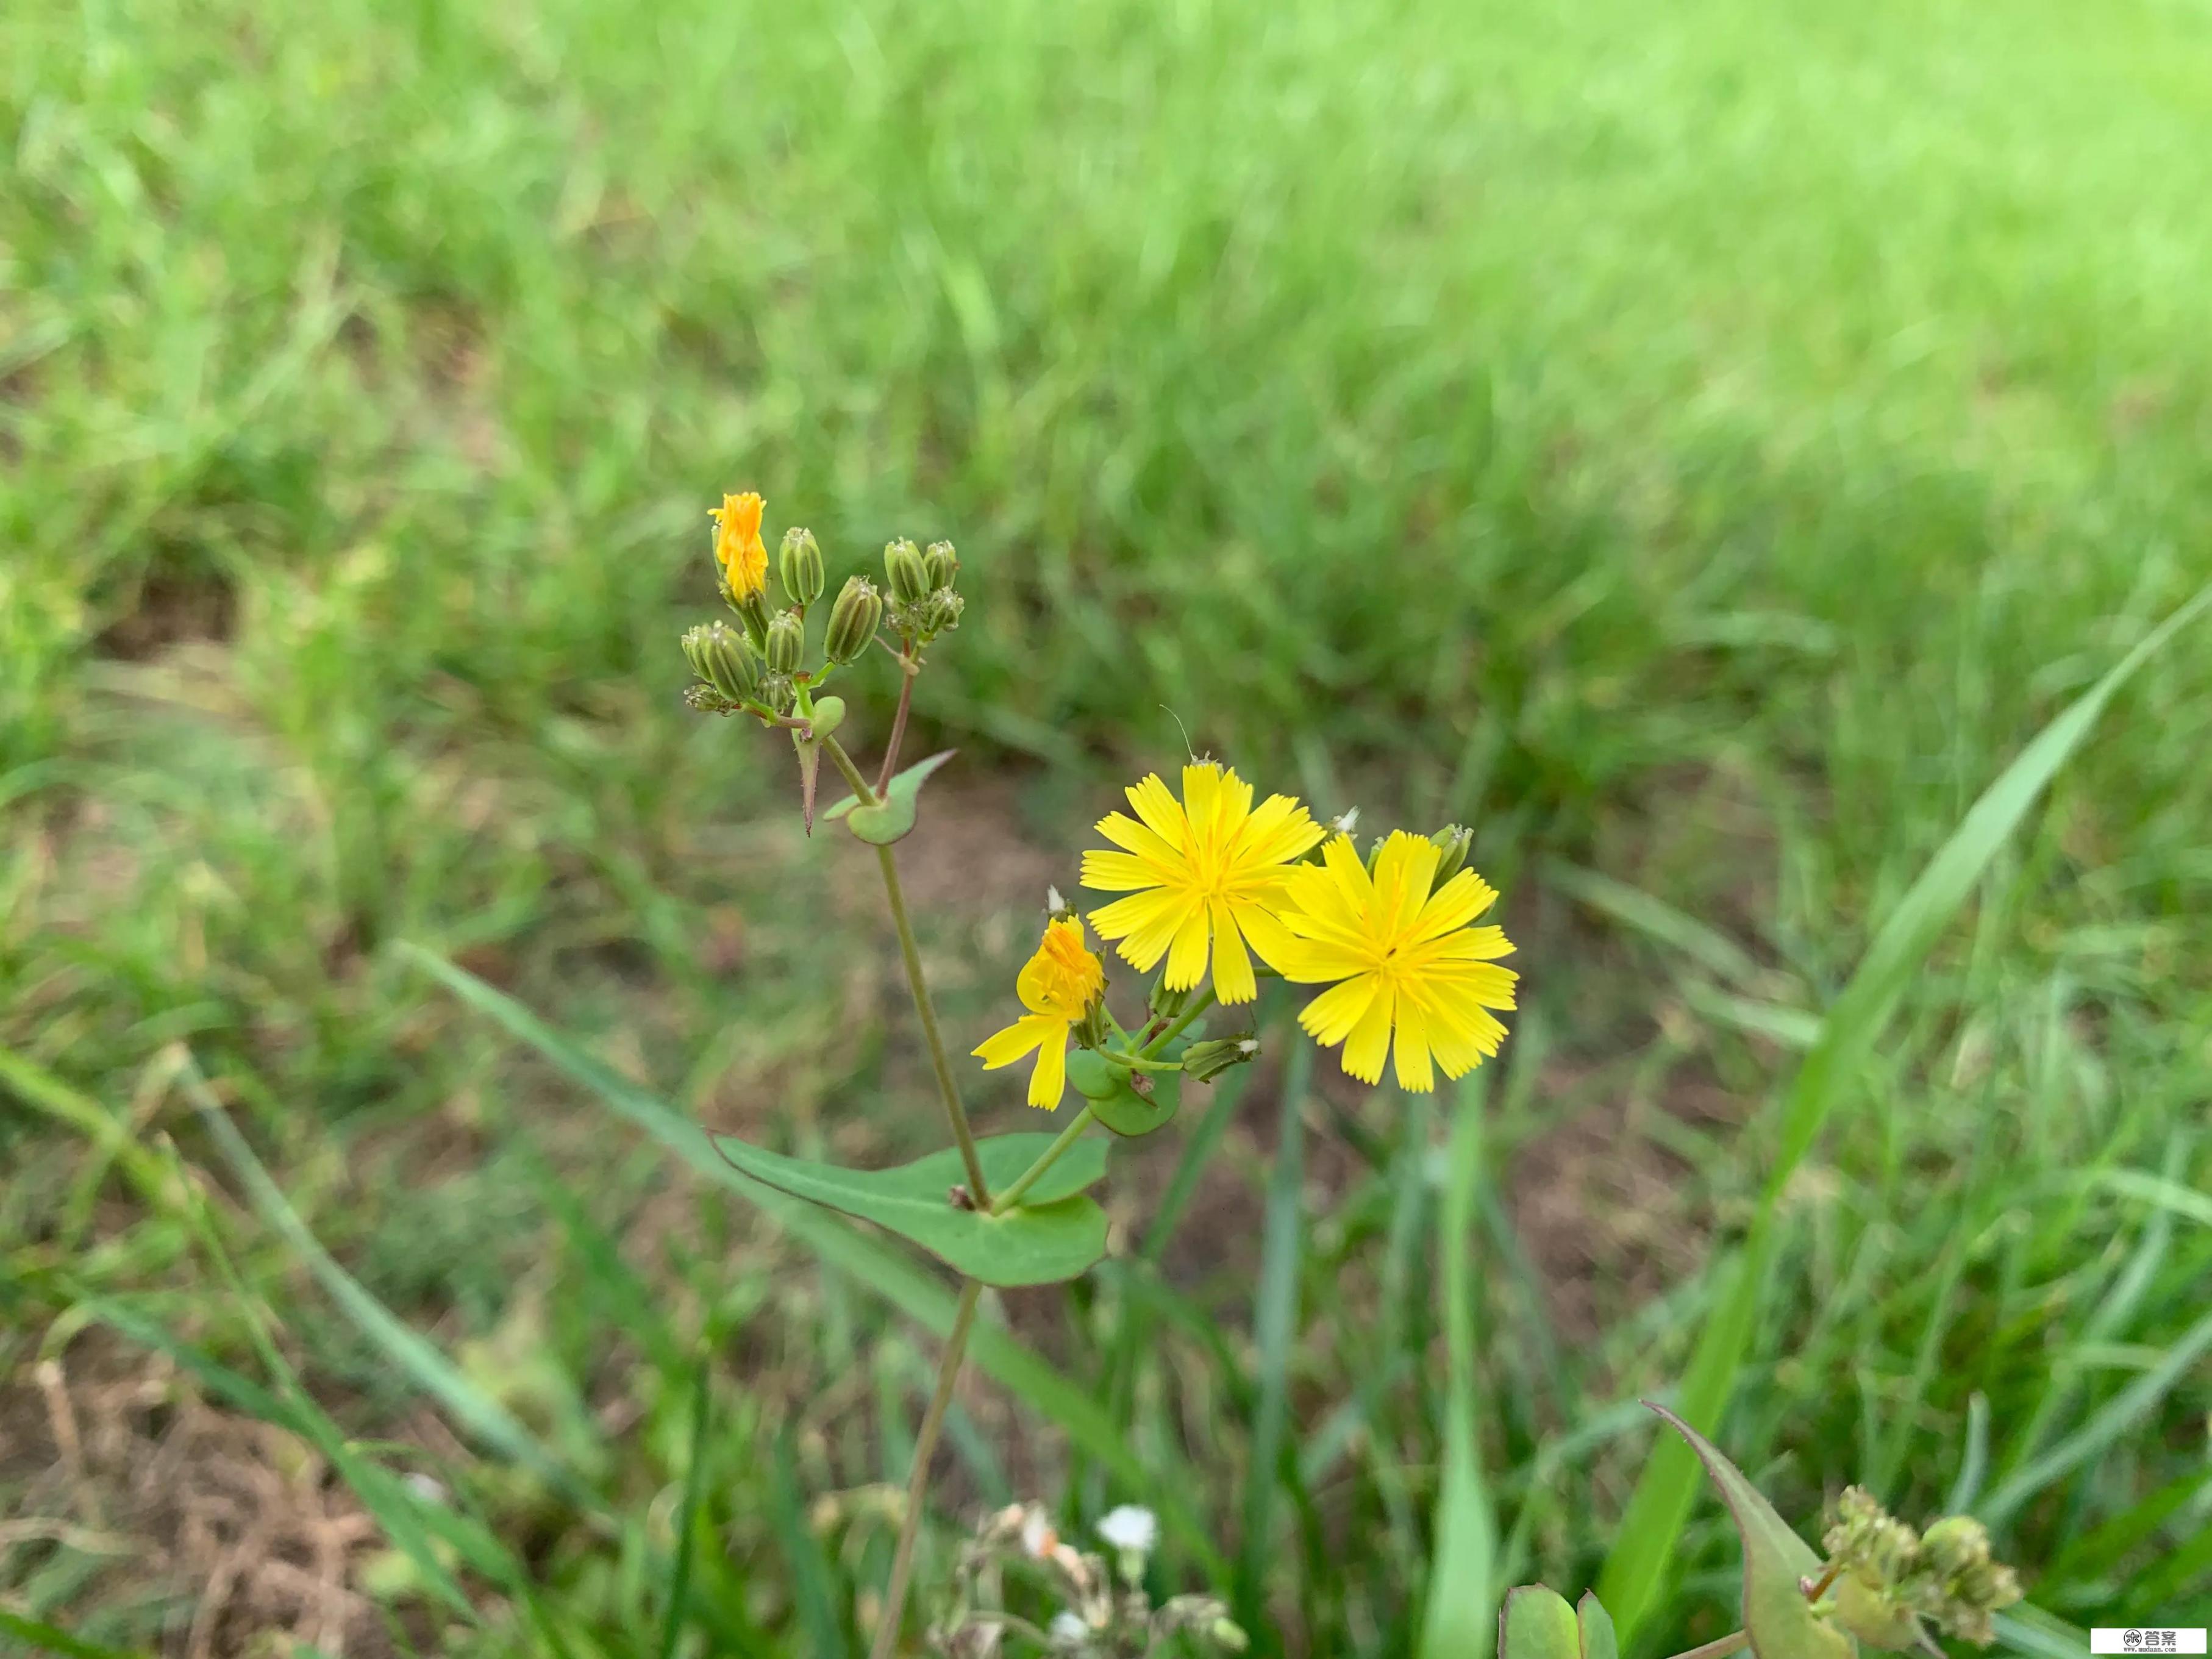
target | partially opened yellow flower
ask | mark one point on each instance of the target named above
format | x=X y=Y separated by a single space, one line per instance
x=737 y=546
x=1401 y=961
x=1205 y=871
x=1057 y=985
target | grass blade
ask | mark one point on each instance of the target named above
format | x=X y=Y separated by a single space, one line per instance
x=1660 y=1502
x=1275 y=1328
x=915 y=1291
x=1197 y=1153
x=50 y=1638
x=811 y=1585
x=1462 y=1577
x=437 y=1376
x=2106 y=1424
x=687 y=1514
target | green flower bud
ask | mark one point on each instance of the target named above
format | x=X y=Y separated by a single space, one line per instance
x=752 y=610
x=799 y=563
x=853 y=619
x=1229 y=1634
x=1202 y=1062
x=941 y=564
x=1452 y=842
x=1166 y=1001
x=786 y=643
x=903 y=569
x=724 y=660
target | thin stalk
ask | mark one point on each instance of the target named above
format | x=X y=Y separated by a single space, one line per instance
x=1046 y=1159
x=917 y=1480
x=907 y=669
x=1726 y=1645
x=955 y=1113
x=1136 y=1063
x=1199 y=1005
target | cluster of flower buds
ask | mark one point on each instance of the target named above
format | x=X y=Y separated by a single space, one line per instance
x=1099 y=1619
x=923 y=604
x=1888 y=1578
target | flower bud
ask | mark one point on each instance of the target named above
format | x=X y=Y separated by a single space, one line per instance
x=1229 y=1634
x=1452 y=842
x=752 y=610
x=903 y=569
x=941 y=564
x=724 y=659
x=940 y=612
x=799 y=563
x=1202 y=1062
x=1166 y=1000
x=786 y=643
x=853 y=619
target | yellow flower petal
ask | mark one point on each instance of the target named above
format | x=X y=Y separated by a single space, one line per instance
x=1186 y=955
x=1233 y=980
x=1050 y=1081
x=1004 y=1048
x=1120 y=872
x=1160 y=810
x=1370 y=1041
x=1330 y=1017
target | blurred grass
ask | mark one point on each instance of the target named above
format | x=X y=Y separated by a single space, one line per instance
x=1701 y=447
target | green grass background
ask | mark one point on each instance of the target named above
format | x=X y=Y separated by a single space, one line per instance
x=1699 y=445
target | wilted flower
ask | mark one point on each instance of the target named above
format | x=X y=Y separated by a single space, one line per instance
x=1057 y=985
x=1204 y=871
x=737 y=546
x=1401 y=960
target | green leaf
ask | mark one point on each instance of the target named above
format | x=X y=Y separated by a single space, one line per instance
x=1535 y=1623
x=1660 y=1502
x=1466 y=1567
x=1777 y=1617
x=1598 y=1641
x=50 y=1639
x=1053 y=1234
x=892 y=817
x=1118 y=1106
x=921 y=1295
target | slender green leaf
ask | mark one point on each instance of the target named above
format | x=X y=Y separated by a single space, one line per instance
x=2031 y=1633
x=1777 y=1615
x=891 y=818
x=1534 y=1623
x=1053 y=1234
x=1462 y=1577
x=687 y=1511
x=1656 y=920
x=49 y=1639
x=2105 y=1425
x=811 y=1590
x=1660 y=1502
x=1275 y=1327
x=919 y=1295
x=414 y=1355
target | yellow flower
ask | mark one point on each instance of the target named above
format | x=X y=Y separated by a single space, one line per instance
x=1058 y=985
x=1207 y=869
x=737 y=546
x=1399 y=959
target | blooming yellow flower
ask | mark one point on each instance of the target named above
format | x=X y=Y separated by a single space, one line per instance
x=1057 y=985
x=737 y=546
x=1207 y=869
x=1399 y=959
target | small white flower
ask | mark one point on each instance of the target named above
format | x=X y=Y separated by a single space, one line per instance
x=1066 y=1630
x=1346 y=822
x=1130 y=1528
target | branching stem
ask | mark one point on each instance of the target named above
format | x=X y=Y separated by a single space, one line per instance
x=1046 y=1159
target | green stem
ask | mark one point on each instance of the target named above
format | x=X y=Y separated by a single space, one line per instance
x=1136 y=1063
x=917 y=1480
x=1049 y=1156
x=955 y=1113
x=1199 y=1005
